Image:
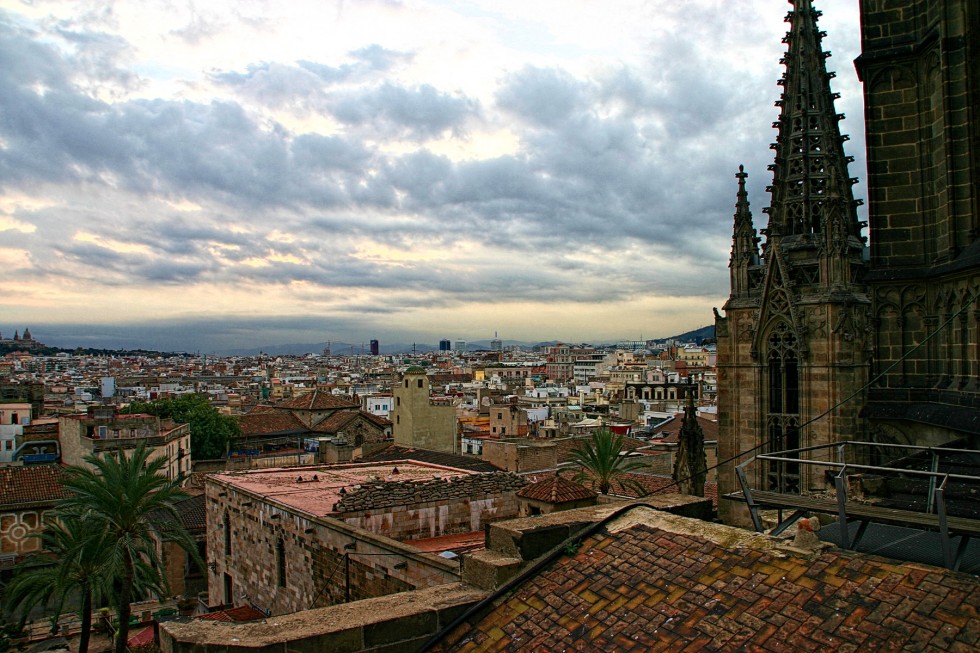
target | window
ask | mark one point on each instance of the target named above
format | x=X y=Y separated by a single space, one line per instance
x=281 y=561
x=227 y=534
x=783 y=409
x=420 y=383
x=229 y=596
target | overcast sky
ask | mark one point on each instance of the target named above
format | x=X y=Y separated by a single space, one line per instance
x=207 y=175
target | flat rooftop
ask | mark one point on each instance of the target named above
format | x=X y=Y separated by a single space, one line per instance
x=314 y=490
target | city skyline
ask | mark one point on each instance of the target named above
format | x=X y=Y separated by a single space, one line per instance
x=237 y=176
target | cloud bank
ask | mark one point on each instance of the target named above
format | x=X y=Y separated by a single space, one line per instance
x=423 y=172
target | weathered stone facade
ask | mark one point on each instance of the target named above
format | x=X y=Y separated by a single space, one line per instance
x=102 y=430
x=793 y=347
x=808 y=314
x=19 y=529
x=283 y=558
x=408 y=511
x=922 y=93
x=520 y=455
x=281 y=561
x=416 y=421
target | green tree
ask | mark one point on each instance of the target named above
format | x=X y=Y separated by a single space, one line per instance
x=75 y=565
x=124 y=499
x=211 y=432
x=602 y=460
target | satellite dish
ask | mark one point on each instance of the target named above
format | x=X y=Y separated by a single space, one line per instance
x=485 y=401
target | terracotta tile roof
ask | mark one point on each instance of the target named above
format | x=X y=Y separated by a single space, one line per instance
x=141 y=638
x=335 y=422
x=651 y=484
x=396 y=452
x=263 y=423
x=194 y=483
x=639 y=587
x=671 y=429
x=317 y=400
x=556 y=490
x=31 y=484
x=192 y=513
x=382 y=422
x=343 y=418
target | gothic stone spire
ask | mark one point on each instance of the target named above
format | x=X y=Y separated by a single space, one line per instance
x=745 y=243
x=811 y=189
x=690 y=463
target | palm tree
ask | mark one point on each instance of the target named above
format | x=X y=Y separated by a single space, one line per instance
x=602 y=460
x=126 y=496
x=75 y=561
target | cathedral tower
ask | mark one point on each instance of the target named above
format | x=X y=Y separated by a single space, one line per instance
x=921 y=81
x=794 y=344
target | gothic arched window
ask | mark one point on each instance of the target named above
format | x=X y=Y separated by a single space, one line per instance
x=783 y=407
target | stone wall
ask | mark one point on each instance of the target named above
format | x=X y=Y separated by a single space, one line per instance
x=417 y=422
x=520 y=456
x=411 y=511
x=283 y=561
x=921 y=86
x=393 y=624
x=406 y=621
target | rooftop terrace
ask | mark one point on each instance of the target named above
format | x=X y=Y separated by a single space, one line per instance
x=315 y=490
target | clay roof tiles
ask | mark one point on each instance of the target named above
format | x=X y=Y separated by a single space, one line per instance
x=263 y=423
x=671 y=429
x=644 y=588
x=31 y=484
x=317 y=400
x=335 y=422
x=556 y=490
x=651 y=484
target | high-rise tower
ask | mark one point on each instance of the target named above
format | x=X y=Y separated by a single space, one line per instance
x=794 y=344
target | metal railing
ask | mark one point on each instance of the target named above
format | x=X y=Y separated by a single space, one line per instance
x=843 y=460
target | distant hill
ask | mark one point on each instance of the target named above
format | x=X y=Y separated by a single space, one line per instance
x=697 y=336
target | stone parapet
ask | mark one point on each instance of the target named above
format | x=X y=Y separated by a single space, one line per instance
x=386 y=494
x=401 y=622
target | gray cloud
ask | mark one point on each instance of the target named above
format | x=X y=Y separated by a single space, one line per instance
x=397 y=112
x=542 y=97
x=630 y=166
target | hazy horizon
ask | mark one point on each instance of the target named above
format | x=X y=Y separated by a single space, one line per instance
x=216 y=337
